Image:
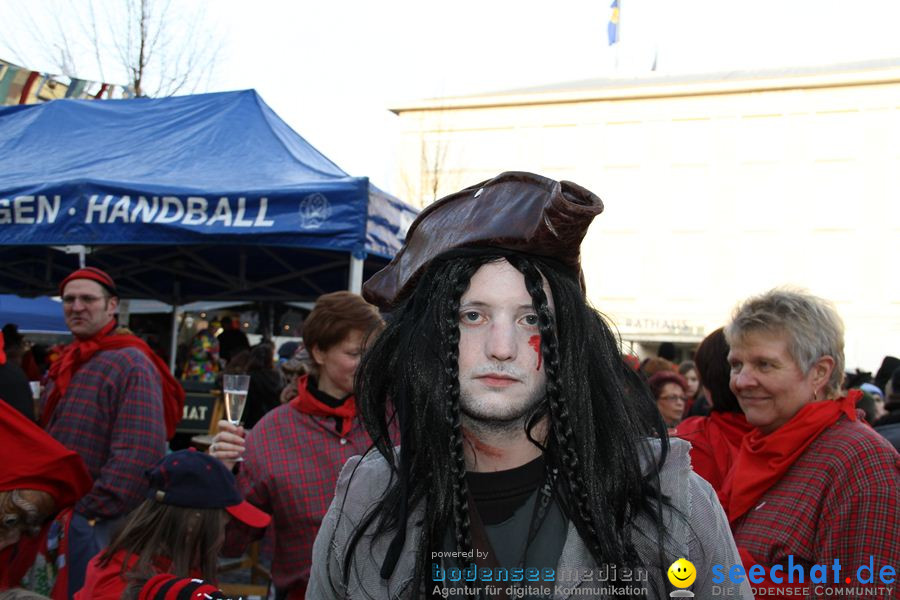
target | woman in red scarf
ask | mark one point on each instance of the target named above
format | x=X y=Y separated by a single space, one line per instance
x=714 y=439
x=811 y=483
x=293 y=456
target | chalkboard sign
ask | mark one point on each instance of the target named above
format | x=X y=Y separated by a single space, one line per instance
x=198 y=412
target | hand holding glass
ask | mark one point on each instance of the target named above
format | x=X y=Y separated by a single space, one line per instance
x=235 y=388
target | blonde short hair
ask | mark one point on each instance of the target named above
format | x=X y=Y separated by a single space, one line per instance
x=812 y=326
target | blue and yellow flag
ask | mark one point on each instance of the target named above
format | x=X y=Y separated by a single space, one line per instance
x=612 y=29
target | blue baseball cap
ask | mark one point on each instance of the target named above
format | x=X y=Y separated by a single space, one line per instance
x=191 y=479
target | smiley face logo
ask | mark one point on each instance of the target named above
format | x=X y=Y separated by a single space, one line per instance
x=682 y=573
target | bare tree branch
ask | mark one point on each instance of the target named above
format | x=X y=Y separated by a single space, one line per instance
x=96 y=36
x=433 y=175
x=139 y=43
x=65 y=59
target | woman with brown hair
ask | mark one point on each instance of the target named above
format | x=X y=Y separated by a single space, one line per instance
x=696 y=403
x=178 y=529
x=715 y=439
x=670 y=390
x=294 y=454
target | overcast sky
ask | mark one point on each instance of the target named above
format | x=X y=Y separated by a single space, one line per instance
x=331 y=69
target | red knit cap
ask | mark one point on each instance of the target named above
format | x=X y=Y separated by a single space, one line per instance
x=94 y=274
x=33 y=460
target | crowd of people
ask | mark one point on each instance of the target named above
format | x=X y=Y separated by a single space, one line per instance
x=470 y=412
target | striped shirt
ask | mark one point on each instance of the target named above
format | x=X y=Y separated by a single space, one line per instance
x=112 y=415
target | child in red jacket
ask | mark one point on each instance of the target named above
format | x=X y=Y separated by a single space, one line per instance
x=179 y=529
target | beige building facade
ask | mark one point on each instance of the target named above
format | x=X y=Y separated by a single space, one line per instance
x=716 y=188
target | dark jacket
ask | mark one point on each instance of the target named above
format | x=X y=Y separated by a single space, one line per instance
x=264 y=395
x=14 y=389
x=891 y=433
x=232 y=341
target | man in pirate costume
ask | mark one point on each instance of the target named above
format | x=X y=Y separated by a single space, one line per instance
x=526 y=441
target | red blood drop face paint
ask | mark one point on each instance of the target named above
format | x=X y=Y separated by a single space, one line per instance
x=535 y=342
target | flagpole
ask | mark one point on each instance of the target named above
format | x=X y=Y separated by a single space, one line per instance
x=617 y=43
x=618 y=34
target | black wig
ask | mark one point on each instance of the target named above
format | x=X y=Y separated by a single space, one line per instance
x=600 y=412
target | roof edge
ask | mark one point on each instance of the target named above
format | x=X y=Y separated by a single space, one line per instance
x=662 y=86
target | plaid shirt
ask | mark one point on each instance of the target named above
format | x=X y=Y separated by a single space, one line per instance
x=290 y=468
x=840 y=499
x=112 y=415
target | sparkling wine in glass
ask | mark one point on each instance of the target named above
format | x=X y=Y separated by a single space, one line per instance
x=235 y=389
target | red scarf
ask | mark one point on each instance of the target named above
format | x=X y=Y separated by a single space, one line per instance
x=36 y=461
x=715 y=441
x=308 y=404
x=80 y=351
x=729 y=430
x=764 y=459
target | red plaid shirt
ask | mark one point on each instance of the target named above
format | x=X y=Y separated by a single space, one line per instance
x=841 y=499
x=290 y=470
x=112 y=415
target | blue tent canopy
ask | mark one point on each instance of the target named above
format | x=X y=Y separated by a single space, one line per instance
x=39 y=315
x=210 y=196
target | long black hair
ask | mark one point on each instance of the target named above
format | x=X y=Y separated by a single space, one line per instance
x=600 y=413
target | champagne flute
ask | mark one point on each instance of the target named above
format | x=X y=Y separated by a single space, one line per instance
x=235 y=389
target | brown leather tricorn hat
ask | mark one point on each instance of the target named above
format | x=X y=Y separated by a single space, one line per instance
x=517 y=211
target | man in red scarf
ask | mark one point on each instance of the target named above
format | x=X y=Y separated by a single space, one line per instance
x=811 y=481
x=114 y=403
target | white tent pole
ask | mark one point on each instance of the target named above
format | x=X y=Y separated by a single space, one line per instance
x=81 y=250
x=124 y=312
x=356 y=275
x=173 y=346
